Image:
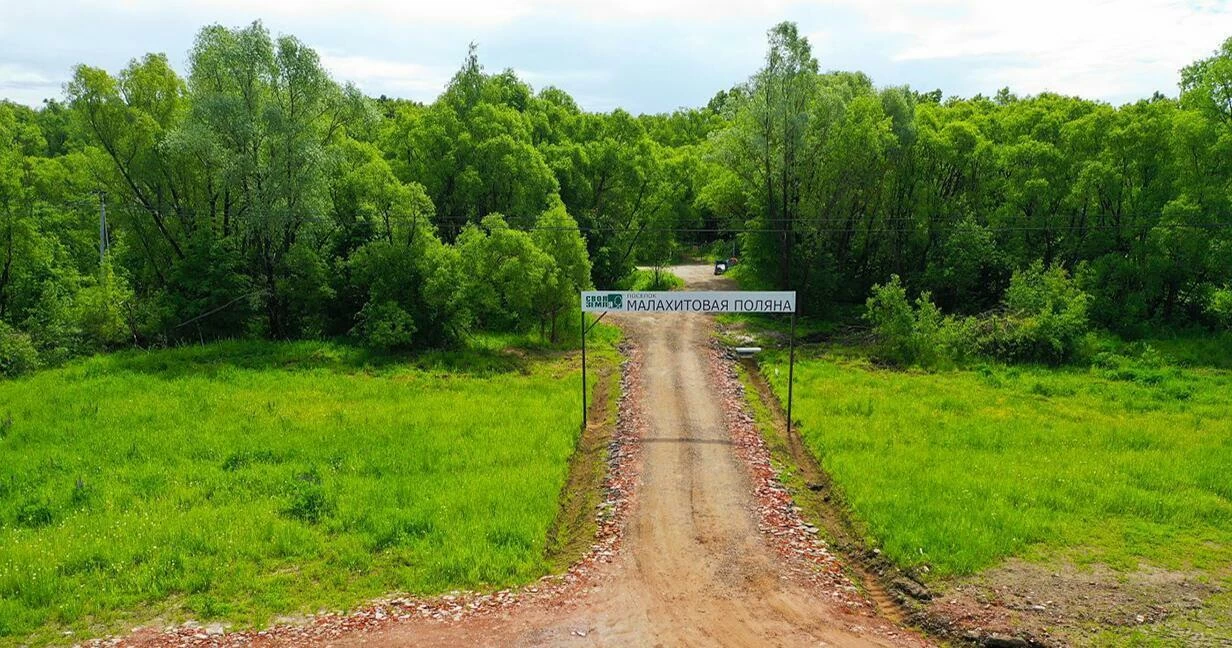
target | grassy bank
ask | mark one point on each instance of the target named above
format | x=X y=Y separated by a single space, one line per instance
x=957 y=470
x=241 y=481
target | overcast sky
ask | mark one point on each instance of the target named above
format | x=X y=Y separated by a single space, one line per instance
x=646 y=55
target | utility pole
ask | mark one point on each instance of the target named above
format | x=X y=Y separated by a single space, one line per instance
x=102 y=227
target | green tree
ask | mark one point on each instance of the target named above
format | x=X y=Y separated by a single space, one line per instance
x=767 y=144
x=413 y=291
x=505 y=273
x=103 y=308
x=557 y=234
x=473 y=150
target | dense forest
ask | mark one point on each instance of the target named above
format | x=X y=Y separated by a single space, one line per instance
x=258 y=197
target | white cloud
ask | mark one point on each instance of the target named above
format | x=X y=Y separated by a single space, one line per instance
x=540 y=78
x=384 y=76
x=19 y=75
x=682 y=10
x=26 y=85
x=1089 y=47
x=647 y=54
x=468 y=12
x=471 y=12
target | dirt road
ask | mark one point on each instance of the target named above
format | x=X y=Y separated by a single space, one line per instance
x=695 y=570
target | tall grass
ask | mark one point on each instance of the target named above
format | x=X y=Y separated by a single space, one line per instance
x=651 y=279
x=955 y=470
x=241 y=481
x=1204 y=350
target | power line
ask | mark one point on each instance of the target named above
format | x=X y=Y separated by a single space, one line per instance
x=220 y=308
x=806 y=223
x=806 y=227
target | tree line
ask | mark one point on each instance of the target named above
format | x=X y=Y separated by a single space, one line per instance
x=258 y=197
x=847 y=184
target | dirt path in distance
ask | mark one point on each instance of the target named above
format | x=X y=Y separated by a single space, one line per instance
x=695 y=570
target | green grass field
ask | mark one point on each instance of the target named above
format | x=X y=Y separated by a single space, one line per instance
x=245 y=480
x=1118 y=463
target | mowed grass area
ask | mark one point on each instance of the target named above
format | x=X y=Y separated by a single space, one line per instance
x=1120 y=463
x=240 y=481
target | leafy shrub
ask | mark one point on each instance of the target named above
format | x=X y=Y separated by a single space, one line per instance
x=410 y=285
x=17 y=353
x=905 y=335
x=53 y=325
x=384 y=325
x=1043 y=319
x=1220 y=306
x=1039 y=291
x=893 y=320
x=101 y=308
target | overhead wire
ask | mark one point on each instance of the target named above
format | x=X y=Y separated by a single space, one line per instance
x=881 y=225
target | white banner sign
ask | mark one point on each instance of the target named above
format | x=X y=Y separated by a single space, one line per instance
x=733 y=301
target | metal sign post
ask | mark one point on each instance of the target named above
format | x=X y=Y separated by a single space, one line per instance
x=681 y=301
x=791 y=368
x=584 y=371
